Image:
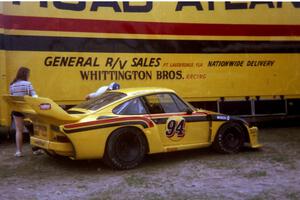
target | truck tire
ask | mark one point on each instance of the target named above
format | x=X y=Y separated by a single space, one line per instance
x=125 y=148
x=229 y=138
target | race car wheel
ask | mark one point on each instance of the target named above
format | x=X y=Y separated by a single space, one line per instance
x=229 y=138
x=125 y=148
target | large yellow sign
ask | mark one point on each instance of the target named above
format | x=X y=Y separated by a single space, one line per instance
x=203 y=50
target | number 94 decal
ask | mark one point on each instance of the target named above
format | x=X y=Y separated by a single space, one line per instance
x=175 y=127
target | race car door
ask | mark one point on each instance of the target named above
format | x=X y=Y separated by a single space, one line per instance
x=177 y=123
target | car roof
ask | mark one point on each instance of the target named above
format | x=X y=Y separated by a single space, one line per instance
x=140 y=91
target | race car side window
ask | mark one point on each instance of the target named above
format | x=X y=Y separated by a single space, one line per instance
x=131 y=107
x=153 y=104
x=164 y=103
x=171 y=104
x=179 y=103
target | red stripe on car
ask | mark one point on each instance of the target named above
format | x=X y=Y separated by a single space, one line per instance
x=107 y=121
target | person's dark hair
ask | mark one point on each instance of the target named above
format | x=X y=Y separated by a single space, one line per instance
x=22 y=74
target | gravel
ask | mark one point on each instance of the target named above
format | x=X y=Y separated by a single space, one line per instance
x=272 y=172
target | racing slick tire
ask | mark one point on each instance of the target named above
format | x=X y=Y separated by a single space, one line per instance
x=125 y=148
x=229 y=138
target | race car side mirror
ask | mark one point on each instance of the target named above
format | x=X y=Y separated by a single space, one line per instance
x=189 y=111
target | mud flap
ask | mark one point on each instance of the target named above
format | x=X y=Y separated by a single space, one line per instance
x=253 y=136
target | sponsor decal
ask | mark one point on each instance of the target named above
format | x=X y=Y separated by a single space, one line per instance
x=45 y=106
x=222 y=117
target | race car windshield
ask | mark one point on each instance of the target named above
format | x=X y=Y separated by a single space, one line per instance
x=101 y=101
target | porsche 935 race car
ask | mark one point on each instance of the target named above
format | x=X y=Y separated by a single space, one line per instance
x=122 y=126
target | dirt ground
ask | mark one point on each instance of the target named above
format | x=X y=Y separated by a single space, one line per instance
x=270 y=173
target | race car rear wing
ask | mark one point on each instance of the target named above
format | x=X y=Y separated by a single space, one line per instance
x=39 y=106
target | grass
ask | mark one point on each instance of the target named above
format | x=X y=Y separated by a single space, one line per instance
x=270 y=195
x=280 y=158
x=135 y=181
x=195 y=174
x=256 y=174
x=293 y=195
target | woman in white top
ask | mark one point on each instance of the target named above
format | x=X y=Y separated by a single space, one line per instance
x=20 y=86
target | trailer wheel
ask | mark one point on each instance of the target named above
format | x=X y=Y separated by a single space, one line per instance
x=125 y=148
x=230 y=138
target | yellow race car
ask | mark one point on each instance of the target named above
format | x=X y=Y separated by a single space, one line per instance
x=122 y=126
